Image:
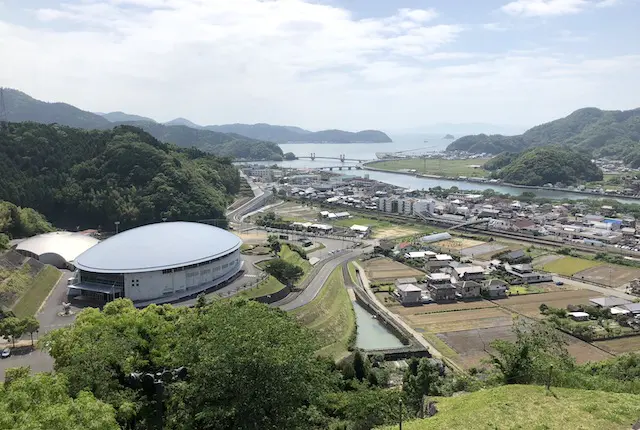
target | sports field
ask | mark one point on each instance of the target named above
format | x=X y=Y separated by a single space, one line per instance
x=431 y=166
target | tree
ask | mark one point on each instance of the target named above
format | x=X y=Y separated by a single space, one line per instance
x=12 y=328
x=360 y=365
x=42 y=402
x=421 y=379
x=283 y=271
x=31 y=325
x=537 y=348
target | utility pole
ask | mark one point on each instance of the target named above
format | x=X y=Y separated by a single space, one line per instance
x=400 y=404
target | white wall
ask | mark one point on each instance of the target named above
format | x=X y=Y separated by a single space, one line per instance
x=152 y=285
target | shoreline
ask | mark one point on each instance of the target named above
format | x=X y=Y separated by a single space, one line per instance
x=367 y=166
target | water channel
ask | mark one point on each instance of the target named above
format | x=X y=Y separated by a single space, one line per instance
x=372 y=334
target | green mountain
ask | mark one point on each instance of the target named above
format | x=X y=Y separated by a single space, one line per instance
x=122 y=117
x=289 y=134
x=88 y=178
x=185 y=122
x=21 y=107
x=598 y=132
x=532 y=407
x=543 y=165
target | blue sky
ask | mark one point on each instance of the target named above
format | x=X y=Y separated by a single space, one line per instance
x=354 y=64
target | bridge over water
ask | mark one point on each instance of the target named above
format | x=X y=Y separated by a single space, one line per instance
x=342 y=158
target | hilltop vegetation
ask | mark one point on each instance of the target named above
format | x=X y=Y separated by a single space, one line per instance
x=539 y=166
x=18 y=222
x=21 y=107
x=526 y=406
x=591 y=130
x=93 y=178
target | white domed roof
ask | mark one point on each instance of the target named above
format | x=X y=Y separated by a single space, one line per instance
x=157 y=247
x=66 y=244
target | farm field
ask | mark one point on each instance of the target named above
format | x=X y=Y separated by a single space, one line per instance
x=296 y=212
x=568 y=266
x=387 y=270
x=449 y=168
x=529 y=305
x=620 y=346
x=484 y=249
x=460 y=320
x=609 y=274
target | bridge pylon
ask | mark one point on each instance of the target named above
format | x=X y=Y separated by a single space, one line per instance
x=342 y=157
x=313 y=156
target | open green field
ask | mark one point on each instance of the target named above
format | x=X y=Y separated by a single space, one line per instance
x=331 y=316
x=532 y=407
x=567 y=266
x=430 y=166
x=370 y=222
x=37 y=291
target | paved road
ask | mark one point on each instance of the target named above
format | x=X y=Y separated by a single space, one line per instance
x=312 y=290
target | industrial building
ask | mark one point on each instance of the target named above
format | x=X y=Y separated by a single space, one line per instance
x=59 y=248
x=157 y=262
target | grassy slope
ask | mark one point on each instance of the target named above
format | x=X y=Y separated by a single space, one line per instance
x=451 y=168
x=530 y=407
x=569 y=265
x=331 y=316
x=294 y=258
x=270 y=286
x=37 y=292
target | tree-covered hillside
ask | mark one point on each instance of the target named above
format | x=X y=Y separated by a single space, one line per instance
x=89 y=178
x=547 y=164
x=20 y=222
x=222 y=144
x=21 y=107
x=284 y=134
x=601 y=133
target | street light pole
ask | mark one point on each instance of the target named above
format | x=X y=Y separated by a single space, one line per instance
x=117 y=223
x=400 y=404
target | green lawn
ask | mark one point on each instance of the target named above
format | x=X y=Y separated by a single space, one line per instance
x=567 y=266
x=532 y=407
x=331 y=316
x=270 y=286
x=520 y=290
x=294 y=258
x=37 y=292
x=450 y=168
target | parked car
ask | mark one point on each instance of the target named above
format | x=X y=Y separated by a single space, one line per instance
x=558 y=283
x=6 y=352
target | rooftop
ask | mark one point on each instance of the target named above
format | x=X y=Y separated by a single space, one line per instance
x=157 y=247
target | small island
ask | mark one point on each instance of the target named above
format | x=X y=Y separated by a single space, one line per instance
x=449 y=136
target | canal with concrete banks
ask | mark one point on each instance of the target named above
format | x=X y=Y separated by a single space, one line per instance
x=372 y=334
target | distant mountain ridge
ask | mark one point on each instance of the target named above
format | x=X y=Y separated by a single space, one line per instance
x=21 y=107
x=590 y=130
x=288 y=134
x=124 y=117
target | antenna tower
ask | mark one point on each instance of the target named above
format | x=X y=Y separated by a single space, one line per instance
x=4 y=123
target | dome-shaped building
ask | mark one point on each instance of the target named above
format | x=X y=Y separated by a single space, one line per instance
x=59 y=248
x=157 y=262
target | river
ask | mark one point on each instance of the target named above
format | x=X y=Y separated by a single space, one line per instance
x=367 y=151
x=372 y=334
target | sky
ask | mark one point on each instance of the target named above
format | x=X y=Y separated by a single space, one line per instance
x=394 y=65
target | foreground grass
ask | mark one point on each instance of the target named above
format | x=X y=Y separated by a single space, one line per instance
x=37 y=292
x=532 y=407
x=449 y=168
x=331 y=316
x=568 y=266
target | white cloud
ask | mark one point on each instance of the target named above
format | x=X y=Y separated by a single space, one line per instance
x=292 y=62
x=495 y=26
x=545 y=7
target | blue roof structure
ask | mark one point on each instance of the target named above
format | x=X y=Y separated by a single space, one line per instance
x=159 y=246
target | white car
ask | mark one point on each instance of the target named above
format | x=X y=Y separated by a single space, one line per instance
x=6 y=353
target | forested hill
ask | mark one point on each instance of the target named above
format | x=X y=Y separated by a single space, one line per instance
x=123 y=117
x=284 y=134
x=21 y=107
x=543 y=165
x=601 y=133
x=16 y=222
x=92 y=178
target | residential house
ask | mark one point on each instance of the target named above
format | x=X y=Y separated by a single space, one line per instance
x=405 y=281
x=467 y=273
x=609 y=302
x=409 y=294
x=525 y=275
x=442 y=292
x=438 y=278
x=495 y=288
x=468 y=289
x=578 y=316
